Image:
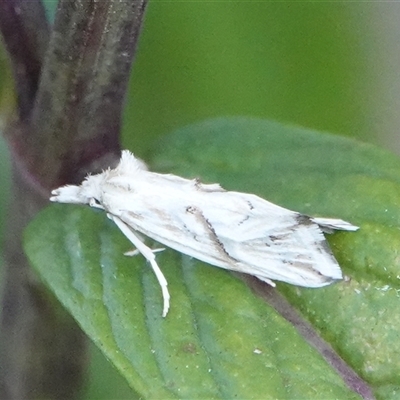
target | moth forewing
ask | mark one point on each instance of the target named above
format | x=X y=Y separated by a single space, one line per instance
x=232 y=230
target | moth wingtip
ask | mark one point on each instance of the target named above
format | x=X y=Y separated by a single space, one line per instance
x=353 y=228
x=331 y=224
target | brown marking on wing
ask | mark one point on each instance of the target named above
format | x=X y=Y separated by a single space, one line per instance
x=211 y=232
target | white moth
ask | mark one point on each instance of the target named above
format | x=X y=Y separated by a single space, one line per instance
x=236 y=231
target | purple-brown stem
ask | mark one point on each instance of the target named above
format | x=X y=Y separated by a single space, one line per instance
x=70 y=91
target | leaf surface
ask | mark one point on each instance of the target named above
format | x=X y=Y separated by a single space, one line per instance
x=220 y=340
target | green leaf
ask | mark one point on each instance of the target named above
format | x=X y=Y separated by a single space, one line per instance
x=321 y=175
x=208 y=345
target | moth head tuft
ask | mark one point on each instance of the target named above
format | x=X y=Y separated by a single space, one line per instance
x=92 y=187
x=129 y=164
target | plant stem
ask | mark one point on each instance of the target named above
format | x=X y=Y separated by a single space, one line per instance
x=83 y=88
x=69 y=124
x=42 y=349
x=25 y=30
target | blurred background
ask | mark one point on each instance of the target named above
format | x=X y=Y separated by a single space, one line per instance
x=327 y=66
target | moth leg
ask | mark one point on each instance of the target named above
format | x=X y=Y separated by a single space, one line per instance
x=133 y=253
x=94 y=204
x=148 y=254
